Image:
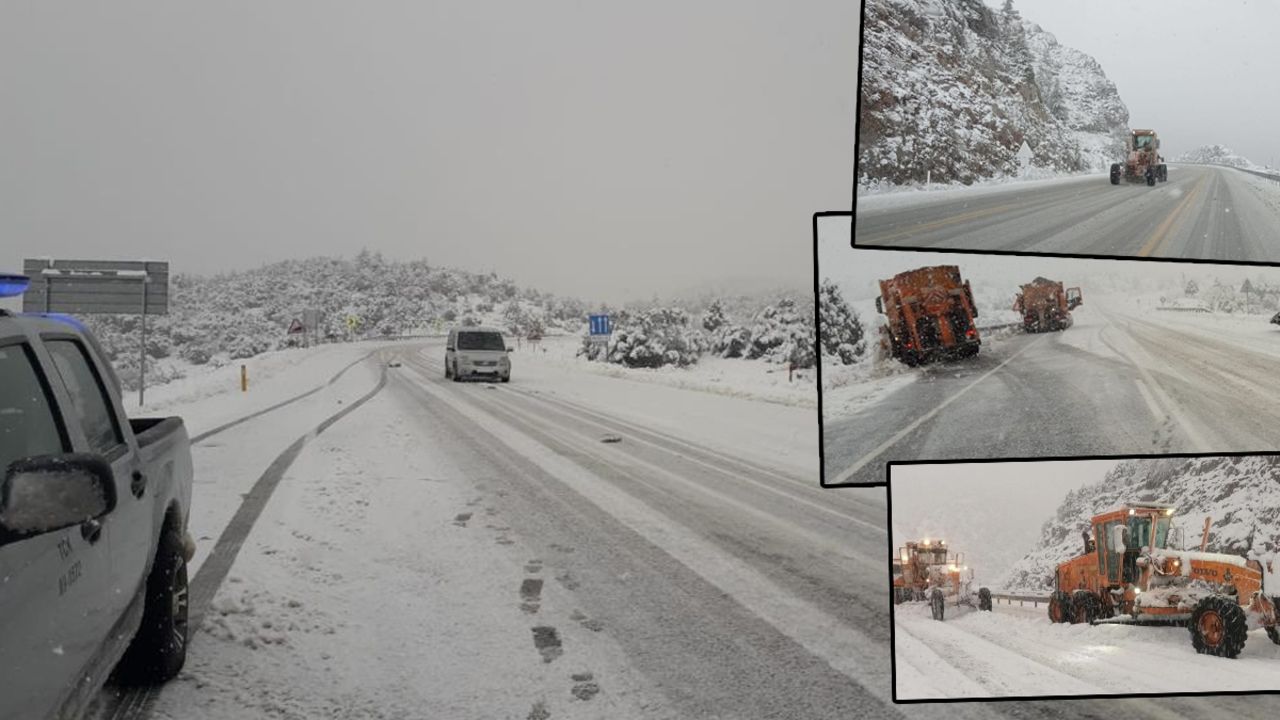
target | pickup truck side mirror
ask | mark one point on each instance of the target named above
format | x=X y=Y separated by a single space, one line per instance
x=50 y=492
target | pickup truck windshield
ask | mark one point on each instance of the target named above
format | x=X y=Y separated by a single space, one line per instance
x=27 y=425
x=480 y=341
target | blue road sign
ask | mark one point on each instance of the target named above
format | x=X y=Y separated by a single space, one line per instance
x=600 y=325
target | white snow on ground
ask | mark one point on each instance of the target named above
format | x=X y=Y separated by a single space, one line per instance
x=1251 y=332
x=209 y=395
x=333 y=609
x=735 y=377
x=719 y=410
x=909 y=196
x=374 y=586
x=1018 y=652
x=228 y=464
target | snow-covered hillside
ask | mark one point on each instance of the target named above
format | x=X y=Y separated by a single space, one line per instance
x=1240 y=494
x=951 y=90
x=1218 y=155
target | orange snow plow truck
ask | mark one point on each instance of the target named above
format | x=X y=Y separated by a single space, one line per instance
x=1046 y=306
x=930 y=314
x=1129 y=574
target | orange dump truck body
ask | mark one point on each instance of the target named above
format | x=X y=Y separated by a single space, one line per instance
x=931 y=315
x=1046 y=305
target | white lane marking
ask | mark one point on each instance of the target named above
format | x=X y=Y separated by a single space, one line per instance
x=1156 y=412
x=879 y=449
x=1165 y=400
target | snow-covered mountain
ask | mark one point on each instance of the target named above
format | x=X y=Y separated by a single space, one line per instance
x=1240 y=494
x=951 y=89
x=1218 y=155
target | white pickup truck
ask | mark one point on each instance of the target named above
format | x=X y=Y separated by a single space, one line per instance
x=93 y=526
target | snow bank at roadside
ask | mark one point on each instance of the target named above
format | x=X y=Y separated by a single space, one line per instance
x=211 y=395
x=885 y=197
x=750 y=379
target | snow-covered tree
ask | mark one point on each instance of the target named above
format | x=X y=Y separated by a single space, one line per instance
x=839 y=328
x=782 y=334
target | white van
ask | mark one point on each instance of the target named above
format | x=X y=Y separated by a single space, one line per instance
x=476 y=352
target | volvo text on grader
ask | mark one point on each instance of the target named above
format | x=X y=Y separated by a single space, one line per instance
x=931 y=315
x=1129 y=574
x=1143 y=162
x=1046 y=305
x=927 y=571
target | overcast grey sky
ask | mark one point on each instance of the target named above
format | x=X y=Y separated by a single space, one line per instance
x=992 y=512
x=609 y=150
x=1198 y=71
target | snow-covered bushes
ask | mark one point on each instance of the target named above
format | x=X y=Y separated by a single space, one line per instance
x=649 y=339
x=781 y=334
x=841 y=333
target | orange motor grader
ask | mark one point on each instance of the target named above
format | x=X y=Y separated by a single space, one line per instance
x=1129 y=574
x=1143 y=162
x=927 y=571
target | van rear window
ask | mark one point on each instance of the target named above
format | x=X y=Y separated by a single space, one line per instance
x=480 y=341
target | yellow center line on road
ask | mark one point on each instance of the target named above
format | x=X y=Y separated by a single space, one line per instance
x=1161 y=235
x=972 y=215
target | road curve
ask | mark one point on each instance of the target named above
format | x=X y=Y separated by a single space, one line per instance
x=1202 y=212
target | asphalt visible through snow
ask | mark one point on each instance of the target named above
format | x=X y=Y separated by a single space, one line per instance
x=1203 y=212
x=1025 y=396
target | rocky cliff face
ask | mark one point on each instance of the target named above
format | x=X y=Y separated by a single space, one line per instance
x=1241 y=495
x=951 y=89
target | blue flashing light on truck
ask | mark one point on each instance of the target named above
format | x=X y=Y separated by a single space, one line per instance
x=93 y=523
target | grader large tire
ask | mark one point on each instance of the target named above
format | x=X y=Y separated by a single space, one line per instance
x=1061 y=609
x=937 y=604
x=1115 y=174
x=1218 y=627
x=984 y=599
x=1273 y=632
x=1087 y=606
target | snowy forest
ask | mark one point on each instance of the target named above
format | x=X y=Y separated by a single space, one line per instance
x=231 y=316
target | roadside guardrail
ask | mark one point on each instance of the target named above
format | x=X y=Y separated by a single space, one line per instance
x=1022 y=600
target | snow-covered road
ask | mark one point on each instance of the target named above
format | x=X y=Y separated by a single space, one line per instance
x=1017 y=652
x=1120 y=381
x=1202 y=211
x=475 y=551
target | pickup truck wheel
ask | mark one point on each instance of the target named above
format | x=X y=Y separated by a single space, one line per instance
x=159 y=649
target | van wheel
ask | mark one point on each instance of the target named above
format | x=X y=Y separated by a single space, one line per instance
x=506 y=378
x=447 y=372
x=456 y=376
x=159 y=648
